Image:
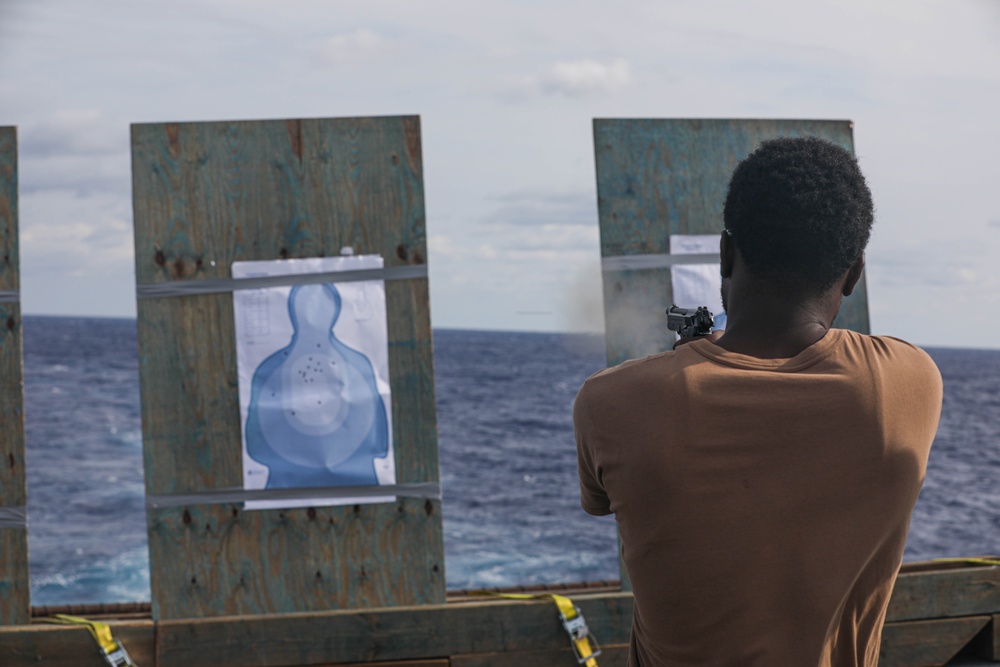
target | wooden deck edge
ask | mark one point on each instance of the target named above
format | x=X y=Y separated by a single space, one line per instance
x=611 y=656
x=64 y=646
x=140 y=610
x=476 y=633
x=421 y=633
x=928 y=643
x=480 y=626
x=954 y=590
x=910 y=572
x=924 y=589
x=932 y=610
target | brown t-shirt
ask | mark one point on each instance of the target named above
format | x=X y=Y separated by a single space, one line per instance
x=763 y=503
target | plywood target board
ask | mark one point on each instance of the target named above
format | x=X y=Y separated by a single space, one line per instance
x=206 y=196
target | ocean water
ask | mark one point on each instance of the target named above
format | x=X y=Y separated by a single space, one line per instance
x=508 y=463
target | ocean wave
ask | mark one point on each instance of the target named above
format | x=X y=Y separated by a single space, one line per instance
x=506 y=450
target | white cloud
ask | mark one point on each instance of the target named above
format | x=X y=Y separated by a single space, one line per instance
x=82 y=175
x=74 y=150
x=525 y=255
x=63 y=234
x=551 y=229
x=443 y=245
x=580 y=77
x=920 y=80
x=905 y=264
x=956 y=274
x=354 y=46
x=535 y=208
x=74 y=132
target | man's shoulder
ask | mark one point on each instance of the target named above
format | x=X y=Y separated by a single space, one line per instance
x=611 y=395
x=892 y=347
x=627 y=372
x=896 y=356
x=634 y=383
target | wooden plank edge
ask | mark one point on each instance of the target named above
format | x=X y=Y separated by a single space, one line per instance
x=953 y=590
x=615 y=655
x=467 y=632
x=401 y=633
x=67 y=646
x=443 y=662
x=927 y=643
x=142 y=610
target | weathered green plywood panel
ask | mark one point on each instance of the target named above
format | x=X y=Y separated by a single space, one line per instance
x=206 y=195
x=14 y=591
x=249 y=562
x=657 y=177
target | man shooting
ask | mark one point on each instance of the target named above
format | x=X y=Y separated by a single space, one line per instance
x=763 y=480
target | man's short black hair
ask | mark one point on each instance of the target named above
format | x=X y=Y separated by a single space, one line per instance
x=800 y=213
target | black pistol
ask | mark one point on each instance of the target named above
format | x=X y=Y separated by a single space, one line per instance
x=690 y=322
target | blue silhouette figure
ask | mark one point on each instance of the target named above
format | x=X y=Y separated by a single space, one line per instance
x=316 y=417
x=720 y=321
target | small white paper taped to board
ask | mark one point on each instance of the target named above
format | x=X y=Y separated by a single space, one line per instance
x=697 y=284
x=313 y=366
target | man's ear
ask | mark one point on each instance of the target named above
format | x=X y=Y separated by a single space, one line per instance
x=726 y=254
x=852 y=276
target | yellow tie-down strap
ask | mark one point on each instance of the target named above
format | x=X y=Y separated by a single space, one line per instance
x=585 y=646
x=111 y=649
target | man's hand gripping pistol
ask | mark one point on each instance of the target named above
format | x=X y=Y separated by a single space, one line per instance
x=690 y=323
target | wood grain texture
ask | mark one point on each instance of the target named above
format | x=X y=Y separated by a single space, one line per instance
x=62 y=646
x=611 y=656
x=394 y=663
x=657 y=177
x=472 y=633
x=306 y=559
x=929 y=643
x=944 y=593
x=402 y=633
x=9 y=269
x=206 y=195
x=15 y=604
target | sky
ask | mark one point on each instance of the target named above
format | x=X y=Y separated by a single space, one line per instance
x=507 y=92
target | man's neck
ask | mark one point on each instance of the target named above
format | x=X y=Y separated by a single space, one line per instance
x=766 y=326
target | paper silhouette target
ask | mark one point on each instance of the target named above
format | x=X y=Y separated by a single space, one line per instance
x=316 y=417
x=314 y=390
x=697 y=285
